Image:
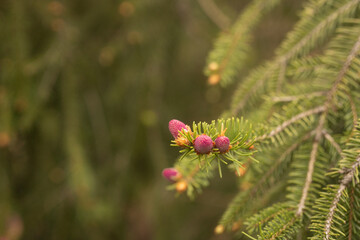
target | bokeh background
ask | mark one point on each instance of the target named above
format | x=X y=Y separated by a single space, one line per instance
x=86 y=92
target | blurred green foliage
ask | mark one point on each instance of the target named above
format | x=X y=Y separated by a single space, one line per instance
x=86 y=91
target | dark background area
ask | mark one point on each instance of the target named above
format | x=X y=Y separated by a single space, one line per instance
x=86 y=92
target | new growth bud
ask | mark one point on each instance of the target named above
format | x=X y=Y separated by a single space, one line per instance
x=181 y=186
x=219 y=229
x=203 y=144
x=171 y=174
x=213 y=66
x=182 y=141
x=175 y=126
x=222 y=143
x=214 y=79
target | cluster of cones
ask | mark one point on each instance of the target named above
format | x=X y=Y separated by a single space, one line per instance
x=203 y=144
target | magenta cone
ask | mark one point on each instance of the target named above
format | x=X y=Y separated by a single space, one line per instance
x=203 y=144
x=170 y=174
x=222 y=143
x=175 y=126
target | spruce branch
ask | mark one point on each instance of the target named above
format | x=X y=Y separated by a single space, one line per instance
x=317 y=30
x=353 y=111
x=263 y=221
x=232 y=47
x=290 y=121
x=305 y=37
x=288 y=151
x=351 y=212
x=311 y=165
x=282 y=71
x=297 y=97
x=344 y=183
x=331 y=111
x=207 y=146
x=332 y=141
x=256 y=80
x=277 y=234
x=354 y=51
x=352 y=55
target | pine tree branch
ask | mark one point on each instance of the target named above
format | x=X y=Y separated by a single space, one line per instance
x=232 y=47
x=318 y=28
x=294 y=98
x=194 y=171
x=344 y=182
x=253 y=89
x=355 y=116
x=354 y=51
x=332 y=141
x=292 y=221
x=353 y=109
x=214 y=13
x=272 y=216
x=279 y=160
x=281 y=77
x=289 y=54
x=311 y=165
x=351 y=210
x=290 y=121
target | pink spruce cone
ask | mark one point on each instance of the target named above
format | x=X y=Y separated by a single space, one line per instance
x=222 y=143
x=175 y=126
x=171 y=174
x=203 y=144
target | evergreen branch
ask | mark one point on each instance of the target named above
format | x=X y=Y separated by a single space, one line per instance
x=214 y=13
x=304 y=67
x=311 y=165
x=344 y=182
x=281 y=77
x=330 y=19
x=232 y=47
x=351 y=209
x=272 y=216
x=310 y=37
x=194 y=171
x=353 y=110
x=280 y=160
x=295 y=98
x=354 y=51
x=246 y=93
x=332 y=141
x=334 y=16
x=290 y=223
x=290 y=121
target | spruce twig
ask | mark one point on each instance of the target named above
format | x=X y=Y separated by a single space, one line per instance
x=295 y=98
x=354 y=51
x=332 y=141
x=344 y=182
x=290 y=121
x=239 y=106
x=292 y=221
x=331 y=18
x=280 y=160
x=351 y=212
x=311 y=165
